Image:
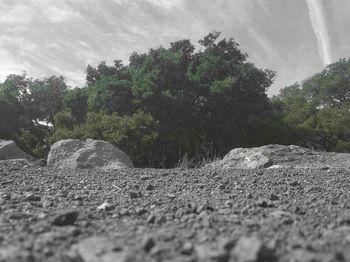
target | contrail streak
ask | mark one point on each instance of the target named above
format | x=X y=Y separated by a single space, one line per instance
x=320 y=30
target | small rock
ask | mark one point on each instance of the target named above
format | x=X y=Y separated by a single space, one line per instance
x=135 y=194
x=251 y=249
x=160 y=220
x=294 y=183
x=229 y=203
x=274 y=197
x=186 y=248
x=299 y=210
x=265 y=204
x=171 y=196
x=42 y=215
x=149 y=187
x=203 y=206
x=32 y=197
x=124 y=212
x=140 y=211
x=207 y=253
x=97 y=249
x=66 y=218
x=165 y=174
x=18 y=216
x=148 y=244
x=301 y=255
x=46 y=203
x=151 y=219
x=106 y=207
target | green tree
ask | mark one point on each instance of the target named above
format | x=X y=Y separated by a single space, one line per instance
x=135 y=134
x=27 y=108
x=319 y=108
x=213 y=97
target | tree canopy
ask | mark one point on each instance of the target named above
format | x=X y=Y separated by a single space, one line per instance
x=179 y=100
x=319 y=108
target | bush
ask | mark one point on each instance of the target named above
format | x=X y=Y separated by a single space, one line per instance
x=135 y=134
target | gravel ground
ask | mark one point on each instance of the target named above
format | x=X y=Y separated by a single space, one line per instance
x=173 y=215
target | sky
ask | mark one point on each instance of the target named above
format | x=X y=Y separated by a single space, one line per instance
x=295 y=38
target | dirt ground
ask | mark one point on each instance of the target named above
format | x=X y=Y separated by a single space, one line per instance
x=173 y=215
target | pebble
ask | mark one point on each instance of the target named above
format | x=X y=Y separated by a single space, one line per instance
x=124 y=212
x=203 y=206
x=66 y=218
x=186 y=248
x=149 y=187
x=265 y=204
x=148 y=244
x=106 y=207
x=151 y=219
x=46 y=203
x=251 y=249
x=294 y=183
x=32 y=197
x=160 y=220
x=135 y=194
x=140 y=211
x=274 y=197
x=207 y=253
x=97 y=249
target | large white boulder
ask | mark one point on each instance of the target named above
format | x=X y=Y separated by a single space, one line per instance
x=99 y=154
x=9 y=150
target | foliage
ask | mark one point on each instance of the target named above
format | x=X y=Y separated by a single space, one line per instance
x=27 y=108
x=167 y=103
x=319 y=109
x=135 y=134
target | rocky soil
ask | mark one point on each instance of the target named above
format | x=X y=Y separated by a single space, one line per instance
x=173 y=215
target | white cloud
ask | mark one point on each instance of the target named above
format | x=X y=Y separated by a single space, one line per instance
x=45 y=37
x=59 y=15
x=167 y=4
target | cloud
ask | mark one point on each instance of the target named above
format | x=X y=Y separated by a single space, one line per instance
x=47 y=37
x=320 y=29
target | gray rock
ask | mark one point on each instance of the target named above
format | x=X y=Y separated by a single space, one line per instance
x=272 y=157
x=105 y=206
x=66 y=218
x=243 y=158
x=74 y=153
x=94 y=249
x=32 y=197
x=148 y=243
x=9 y=150
x=251 y=249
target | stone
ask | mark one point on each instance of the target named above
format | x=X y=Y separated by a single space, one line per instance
x=66 y=218
x=124 y=212
x=149 y=187
x=140 y=211
x=243 y=158
x=186 y=248
x=274 y=197
x=276 y=157
x=9 y=150
x=97 y=248
x=148 y=244
x=32 y=197
x=151 y=219
x=251 y=249
x=135 y=194
x=105 y=206
x=302 y=255
x=97 y=154
x=208 y=253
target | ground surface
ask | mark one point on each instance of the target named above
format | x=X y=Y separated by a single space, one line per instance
x=173 y=215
